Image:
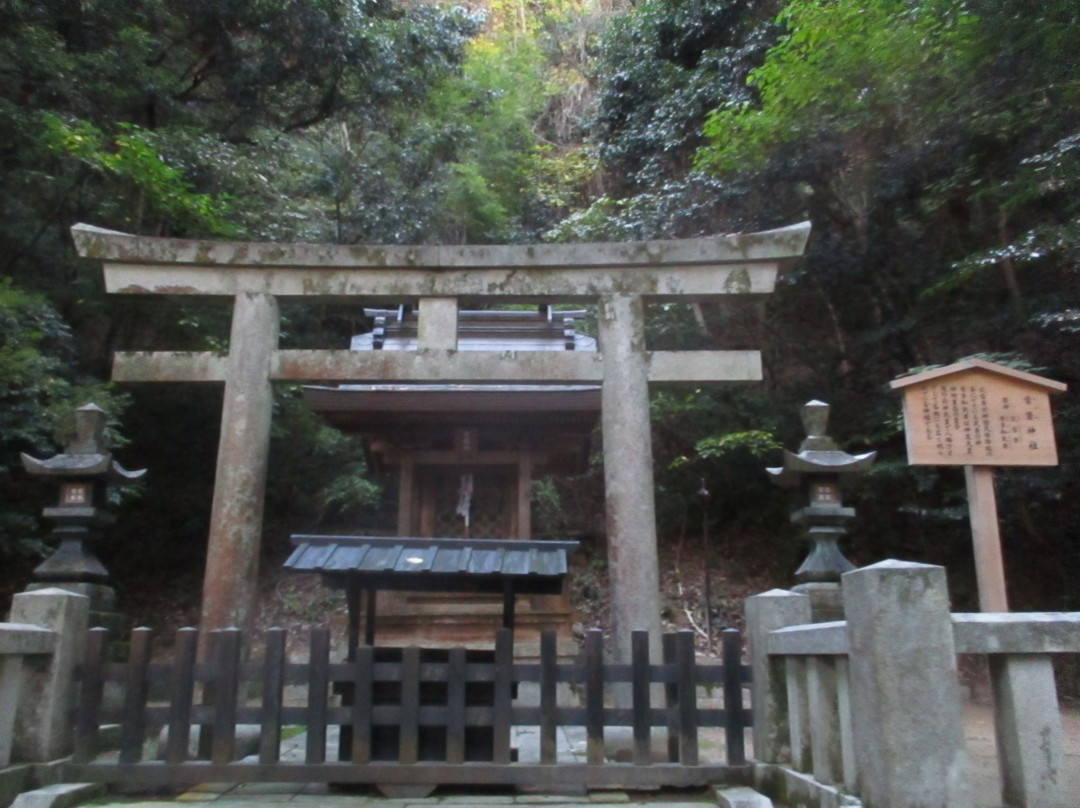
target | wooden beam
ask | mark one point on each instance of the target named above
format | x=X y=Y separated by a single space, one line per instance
x=524 y=494
x=986 y=538
x=449 y=457
x=406 y=490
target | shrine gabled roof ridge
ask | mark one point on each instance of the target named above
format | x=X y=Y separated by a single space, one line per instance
x=769 y=245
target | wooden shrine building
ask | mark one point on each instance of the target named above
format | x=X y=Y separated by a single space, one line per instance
x=465 y=457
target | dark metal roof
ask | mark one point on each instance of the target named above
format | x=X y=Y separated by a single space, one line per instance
x=444 y=565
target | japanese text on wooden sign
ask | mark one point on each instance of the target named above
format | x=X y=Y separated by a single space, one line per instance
x=978 y=419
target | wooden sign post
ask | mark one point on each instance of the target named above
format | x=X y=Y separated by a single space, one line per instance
x=978 y=415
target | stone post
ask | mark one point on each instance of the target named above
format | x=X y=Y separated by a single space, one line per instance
x=43 y=724
x=437 y=325
x=905 y=696
x=17 y=641
x=628 y=477
x=767 y=612
x=232 y=558
x=1027 y=721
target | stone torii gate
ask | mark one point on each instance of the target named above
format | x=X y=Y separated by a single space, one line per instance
x=619 y=277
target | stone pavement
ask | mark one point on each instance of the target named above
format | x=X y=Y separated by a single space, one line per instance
x=254 y=794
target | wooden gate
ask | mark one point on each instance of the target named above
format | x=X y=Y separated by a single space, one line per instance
x=391 y=707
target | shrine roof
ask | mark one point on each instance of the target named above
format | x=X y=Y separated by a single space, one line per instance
x=453 y=398
x=435 y=564
x=544 y=329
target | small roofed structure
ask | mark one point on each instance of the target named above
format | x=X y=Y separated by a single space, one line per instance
x=465 y=457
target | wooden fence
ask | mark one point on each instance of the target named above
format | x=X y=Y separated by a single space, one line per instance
x=416 y=718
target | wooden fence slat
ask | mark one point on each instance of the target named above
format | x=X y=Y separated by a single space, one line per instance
x=133 y=721
x=639 y=652
x=734 y=720
x=671 y=699
x=409 y=722
x=90 y=693
x=548 y=697
x=684 y=661
x=226 y=677
x=594 y=696
x=317 y=704
x=181 y=693
x=361 y=710
x=504 y=694
x=273 y=688
x=455 y=706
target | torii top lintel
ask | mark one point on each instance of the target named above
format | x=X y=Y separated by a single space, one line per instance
x=438 y=277
x=686 y=269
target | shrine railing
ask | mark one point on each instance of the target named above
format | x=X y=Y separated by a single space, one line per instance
x=408 y=715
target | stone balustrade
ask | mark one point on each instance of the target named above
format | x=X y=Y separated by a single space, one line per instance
x=17 y=640
x=872 y=705
x=39 y=649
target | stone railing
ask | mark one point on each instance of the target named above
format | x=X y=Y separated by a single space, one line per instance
x=39 y=649
x=872 y=706
x=17 y=641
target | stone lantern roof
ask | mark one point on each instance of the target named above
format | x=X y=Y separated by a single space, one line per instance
x=818 y=453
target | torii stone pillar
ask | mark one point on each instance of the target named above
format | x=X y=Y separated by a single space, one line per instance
x=621 y=278
x=232 y=554
x=633 y=565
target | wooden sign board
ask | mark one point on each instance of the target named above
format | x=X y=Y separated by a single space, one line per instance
x=976 y=413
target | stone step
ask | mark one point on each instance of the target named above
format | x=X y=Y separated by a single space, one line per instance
x=62 y=795
x=741 y=797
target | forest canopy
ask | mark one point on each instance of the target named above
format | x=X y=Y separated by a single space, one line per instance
x=934 y=146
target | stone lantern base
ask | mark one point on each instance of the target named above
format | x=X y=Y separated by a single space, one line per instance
x=103 y=609
x=826 y=601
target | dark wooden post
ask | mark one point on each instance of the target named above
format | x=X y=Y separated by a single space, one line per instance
x=318 y=683
x=363 y=674
x=90 y=693
x=182 y=694
x=273 y=685
x=226 y=656
x=734 y=723
x=639 y=649
x=548 y=696
x=133 y=723
x=594 y=696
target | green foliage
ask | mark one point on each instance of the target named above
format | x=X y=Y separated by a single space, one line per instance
x=182 y=119
x=663 y=66
x=38 y=396
x=130 y=156
x=660 y=67
x=870 y=72
x=320 y=478
x=932 y=145
x=754 y=442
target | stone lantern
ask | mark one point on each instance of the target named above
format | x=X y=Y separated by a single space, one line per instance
x=82 y=473
x=817 y=470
